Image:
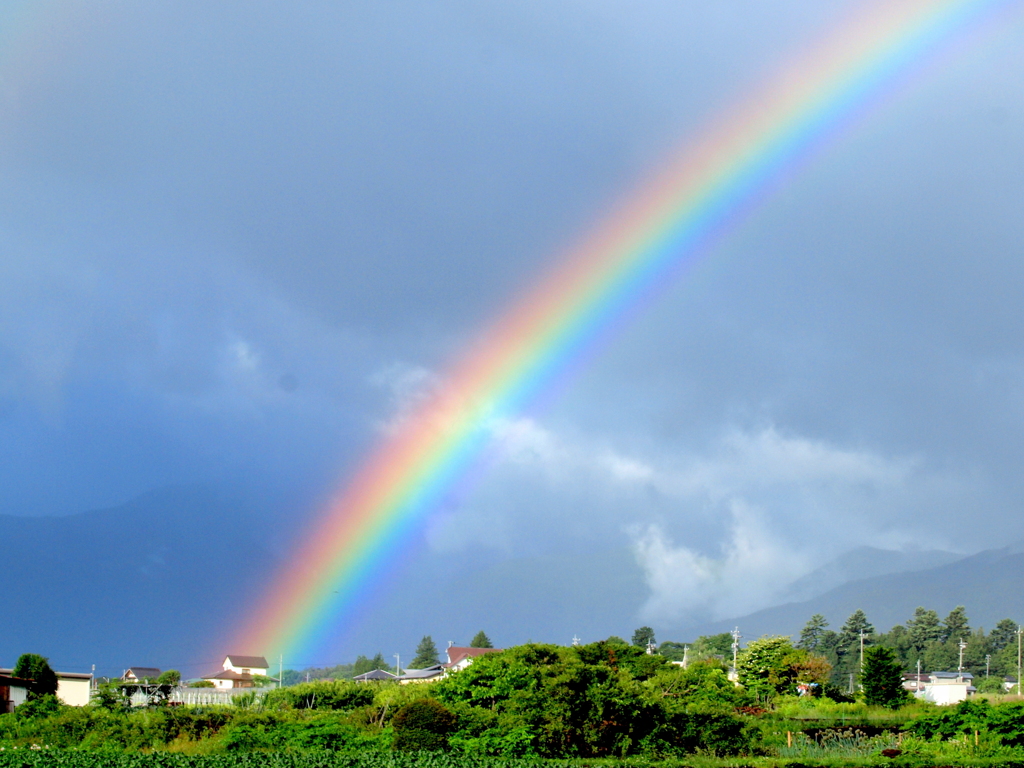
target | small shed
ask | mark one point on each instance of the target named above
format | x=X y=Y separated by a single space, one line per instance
x=13 y=692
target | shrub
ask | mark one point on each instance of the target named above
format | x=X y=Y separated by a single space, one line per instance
x=423 y=725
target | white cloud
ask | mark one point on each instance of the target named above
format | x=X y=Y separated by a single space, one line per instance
x=718 y=532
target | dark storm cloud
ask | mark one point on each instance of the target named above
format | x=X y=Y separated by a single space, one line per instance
x=240 y=238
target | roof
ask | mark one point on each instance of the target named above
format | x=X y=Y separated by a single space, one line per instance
x=952 y=675
x=60 y=675
x=14 y=682
x=422 y=674
x=375 y=674
x=258 y=662
x=457 y=653
x=141 y=672
x=229 y=674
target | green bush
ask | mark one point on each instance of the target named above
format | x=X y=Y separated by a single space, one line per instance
x=321 y=694
x=423 y=725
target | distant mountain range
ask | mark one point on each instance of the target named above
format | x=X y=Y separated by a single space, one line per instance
x=163 y=580
x=155 y=582
x=989 y=584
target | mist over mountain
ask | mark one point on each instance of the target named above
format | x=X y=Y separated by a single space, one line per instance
x=987 y=584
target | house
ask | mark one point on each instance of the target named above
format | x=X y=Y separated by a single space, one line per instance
x=246 y=665
x=915 y=682
x=73 y=688
x=946 y=687
x=239 y=672
x=140 y=675
x=460 y=657
x=13 y=692
x=374 y=675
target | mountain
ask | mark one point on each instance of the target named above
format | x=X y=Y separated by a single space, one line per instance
x=155 y=582
x=863 y=563
x=989 y=584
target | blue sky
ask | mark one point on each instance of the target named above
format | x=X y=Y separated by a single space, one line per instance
x=239 y=239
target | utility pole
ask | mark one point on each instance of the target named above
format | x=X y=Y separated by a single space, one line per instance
x=918 y=688
x=735 y=651
x=1019 y=630
x=398 y=665
x=686 y=656
x=575 y=640
x=280 y=669
x=988 y=661
x=960 y=664
x=861 y=672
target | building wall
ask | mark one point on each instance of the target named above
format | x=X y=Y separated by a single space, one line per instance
x=17 y=695
x=74 y=691
x=944 y=693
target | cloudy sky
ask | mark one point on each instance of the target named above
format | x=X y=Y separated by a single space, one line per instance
x=239 y=240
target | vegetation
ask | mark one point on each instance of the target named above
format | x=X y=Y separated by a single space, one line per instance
x=32 y=666
x=481 y=640
x=610 y=701
x=426 y=654
x=882 y=678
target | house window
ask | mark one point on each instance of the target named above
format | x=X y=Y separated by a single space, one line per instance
x=246 y=671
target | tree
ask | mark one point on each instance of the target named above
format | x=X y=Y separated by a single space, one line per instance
x=32 y=666
x=956 y=625
x=712 y=646
x=847 y=648
x=924 y=628
x=811 y=634
x=481 y=640
x=169 y=677
x=426 y=654
x=771 y=665
x=1003 y=635
x=855 y=626
x=643 y=636
x=882 y=678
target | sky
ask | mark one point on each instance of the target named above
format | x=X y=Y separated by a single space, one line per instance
x=240 y=241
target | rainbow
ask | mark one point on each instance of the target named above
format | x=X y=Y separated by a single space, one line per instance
x=704 y=192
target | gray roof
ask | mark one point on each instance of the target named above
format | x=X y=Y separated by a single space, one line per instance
x=375 y=674
x=952 y=675
x=141 y=672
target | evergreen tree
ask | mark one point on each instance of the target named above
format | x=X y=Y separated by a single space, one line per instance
x=32 y=666
x=481 y=640
x=847 y=648
x=923 y=628
x=811 y=634
x=956 y=625
x=1003 y=635
x=378 y=662
x=642 y=636
x=857 y=624
x=426 y=654
x=882 y=678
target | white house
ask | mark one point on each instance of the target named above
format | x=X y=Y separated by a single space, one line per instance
x=946 y=687
x=460 y=657
x=239 y=671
